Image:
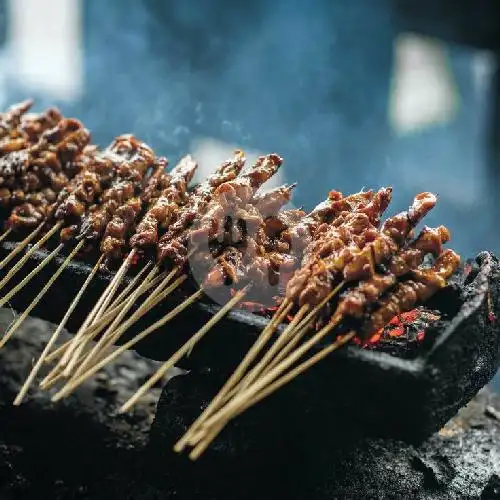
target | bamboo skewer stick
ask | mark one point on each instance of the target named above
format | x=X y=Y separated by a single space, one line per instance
x=30 y=276
x=259 y=367
x=302 y=328
x=273 y=387
x=72 y=384
x=184 y=349
x=191 y=439
x=37 y=299
x=51 y=379
x=113 y=286
x=4 y=235
x=86 y=338
x=227 y=391
x=116 y=322
x=56 y=374
x=244 y=396
x=116 y=306
x=148 y=305
x=111 y=336
x=28 y=254
x=53 y=339
x=253 y=352
x=20 y=246
x=155 y=298
x=92 y=315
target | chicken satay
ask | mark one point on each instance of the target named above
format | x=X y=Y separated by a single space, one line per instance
x=156 y=183
x=40 y=189
x=303 y=234
x=114 y=239
x=165 y=207
x=173 y=244
x=423 y=284
x=233 y=195
x=34 y=124
x=332 y=244
x=429 y=241
x=393 y=235
x=132 y=158
x=12 y=117
x=263 y=260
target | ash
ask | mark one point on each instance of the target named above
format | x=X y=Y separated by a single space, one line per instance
x=80 y=449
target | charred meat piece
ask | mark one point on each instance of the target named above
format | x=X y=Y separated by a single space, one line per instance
x=166 y=206
x=423 y=284
x=327 y=253
x=132 y=159
x=114 y=240
x=430 y=241
x=233 y=195
x=173 y=244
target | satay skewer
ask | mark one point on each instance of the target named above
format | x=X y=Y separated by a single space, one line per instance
x=363 y=260
x=224 y=180
x=10 y=332
x=98 y=360
x=161 y=210
x=110 y=337
x=429 y=240
x=423 y=284
x=283 y=192
x=201 y=445
x=238 y=296
x=28 y=254
x=21 y=245
x=335 y=204
x=115 y=308
x=55 y=336
x=125 y=162
x=50 y=163
x=72 y=384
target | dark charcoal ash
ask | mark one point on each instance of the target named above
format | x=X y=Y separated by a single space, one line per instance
x=403 y=335
x=252 y=459
x=79 y=449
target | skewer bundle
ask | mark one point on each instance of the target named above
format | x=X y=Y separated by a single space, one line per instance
x=337 y=272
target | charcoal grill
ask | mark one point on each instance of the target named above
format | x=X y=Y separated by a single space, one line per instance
x=380 y=393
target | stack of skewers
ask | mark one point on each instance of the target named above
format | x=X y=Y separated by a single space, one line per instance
x=338 y=272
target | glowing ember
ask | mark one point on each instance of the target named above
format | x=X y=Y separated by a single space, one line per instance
x=407 y=326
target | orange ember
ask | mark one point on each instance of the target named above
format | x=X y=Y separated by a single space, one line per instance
x=411 y=324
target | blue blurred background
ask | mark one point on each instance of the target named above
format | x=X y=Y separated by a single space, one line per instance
x=343 y=90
